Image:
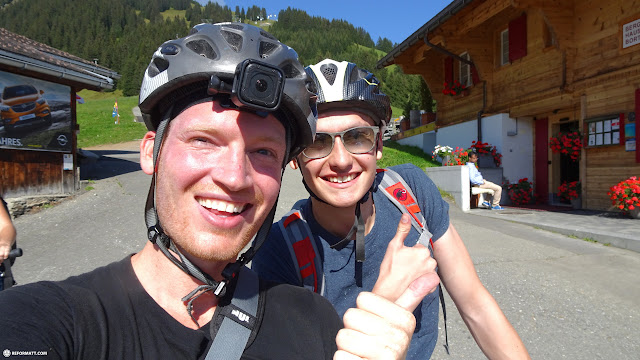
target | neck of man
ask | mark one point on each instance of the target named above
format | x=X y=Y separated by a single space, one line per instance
x=339 y=220
x=167 y=285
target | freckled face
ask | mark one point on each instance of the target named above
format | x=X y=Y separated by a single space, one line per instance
x=218 y=176
x=341 y=178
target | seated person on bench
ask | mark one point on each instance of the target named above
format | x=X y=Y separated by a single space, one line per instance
x=476 y=179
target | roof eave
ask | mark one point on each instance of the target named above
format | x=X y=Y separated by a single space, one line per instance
x=418 y=35
x=91 y=80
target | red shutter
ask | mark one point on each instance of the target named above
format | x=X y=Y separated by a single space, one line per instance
x=518 y=38
x=448 y=69
x=474 y=75
x=637 y=125
x=621 y=120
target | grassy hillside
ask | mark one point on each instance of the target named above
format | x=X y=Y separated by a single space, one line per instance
x=98 y=127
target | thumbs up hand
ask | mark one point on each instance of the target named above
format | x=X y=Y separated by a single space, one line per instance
x=382 y=324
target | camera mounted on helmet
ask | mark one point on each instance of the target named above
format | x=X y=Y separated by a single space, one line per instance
x=256 y=85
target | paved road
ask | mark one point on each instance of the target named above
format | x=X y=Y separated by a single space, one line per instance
x=568 y=298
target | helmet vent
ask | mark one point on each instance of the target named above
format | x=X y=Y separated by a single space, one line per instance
x=233 y=26
x=267 y=35
x=234 y=40
x=157 y=66
x=267 y=48
x=290 y=71
x=202 y=48
x=329 y=72
x=192 y=31
x=357 y=74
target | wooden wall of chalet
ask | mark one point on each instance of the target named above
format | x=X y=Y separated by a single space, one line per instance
x=28 y=173
x=608 y=75
x=33 y=173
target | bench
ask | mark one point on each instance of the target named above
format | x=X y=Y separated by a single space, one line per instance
x=477 y=196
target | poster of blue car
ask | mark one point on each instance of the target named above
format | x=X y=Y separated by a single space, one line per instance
x=34 y=114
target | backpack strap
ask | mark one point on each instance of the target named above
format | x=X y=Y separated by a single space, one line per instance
x=239 y=319
x=400 y=194
x=303 y=250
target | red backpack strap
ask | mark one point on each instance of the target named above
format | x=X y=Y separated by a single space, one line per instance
x=400 y=194
x=303 y=250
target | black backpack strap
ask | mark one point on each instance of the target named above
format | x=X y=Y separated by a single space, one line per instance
x=239 y=319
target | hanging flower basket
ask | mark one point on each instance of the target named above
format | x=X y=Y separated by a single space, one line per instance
x=489 y=150
x=454 y=88
x=625 y=195
x=567 y=143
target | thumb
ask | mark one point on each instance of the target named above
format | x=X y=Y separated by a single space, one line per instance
x=417 y=290
x=404 y=226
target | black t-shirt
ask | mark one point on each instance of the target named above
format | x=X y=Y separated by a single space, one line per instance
x=107 y=314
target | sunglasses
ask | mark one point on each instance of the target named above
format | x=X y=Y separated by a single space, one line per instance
x=358 y=140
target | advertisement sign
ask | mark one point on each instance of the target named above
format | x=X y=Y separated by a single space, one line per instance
x=34 y=114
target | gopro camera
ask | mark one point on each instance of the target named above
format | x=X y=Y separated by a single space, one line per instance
x=258 y=85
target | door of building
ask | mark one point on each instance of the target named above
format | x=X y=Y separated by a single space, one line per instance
x=541 y=182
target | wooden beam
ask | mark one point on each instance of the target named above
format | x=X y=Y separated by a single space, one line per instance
x=477 y=16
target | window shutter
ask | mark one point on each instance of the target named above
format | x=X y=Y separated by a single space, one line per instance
x=474 y=75
x=518 y=38
x=448 y=69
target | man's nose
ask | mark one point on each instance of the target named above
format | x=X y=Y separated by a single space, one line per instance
x=340 y=157
x=233 y=170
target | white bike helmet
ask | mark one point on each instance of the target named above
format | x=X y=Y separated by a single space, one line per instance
x=344 y=86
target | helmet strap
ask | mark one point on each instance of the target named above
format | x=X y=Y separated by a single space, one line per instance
x=157 y=236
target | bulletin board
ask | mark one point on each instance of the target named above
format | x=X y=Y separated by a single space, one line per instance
x=603 y=131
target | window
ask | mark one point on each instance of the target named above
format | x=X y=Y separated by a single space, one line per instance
x=465 y=70
x=504 y=47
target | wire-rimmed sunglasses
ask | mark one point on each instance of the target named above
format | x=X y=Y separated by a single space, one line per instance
x=357 y=140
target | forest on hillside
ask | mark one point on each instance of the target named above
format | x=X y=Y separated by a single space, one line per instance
x=123 y=34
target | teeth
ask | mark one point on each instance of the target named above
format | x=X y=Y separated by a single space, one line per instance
x=341 y=179
x=221 y=205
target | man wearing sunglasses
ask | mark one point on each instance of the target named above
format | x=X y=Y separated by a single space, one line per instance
x=334 y=242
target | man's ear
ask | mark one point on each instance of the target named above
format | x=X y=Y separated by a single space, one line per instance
x=379 y=146
x=294 y=164
x=146 y=152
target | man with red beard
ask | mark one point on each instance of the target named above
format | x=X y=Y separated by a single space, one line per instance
x=227 y=107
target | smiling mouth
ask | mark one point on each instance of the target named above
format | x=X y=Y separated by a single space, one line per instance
x=222 y=206
x=340 y=179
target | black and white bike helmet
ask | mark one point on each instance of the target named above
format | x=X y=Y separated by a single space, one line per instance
x=345 y=86
x=241 y=66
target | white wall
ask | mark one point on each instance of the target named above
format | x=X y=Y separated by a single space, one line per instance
x=517 y=148
x=454 y=180
x=425 y=141
x=513 y=141
x=460 y=135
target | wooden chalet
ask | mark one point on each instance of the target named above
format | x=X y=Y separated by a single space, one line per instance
x=38 y=85
x=533 y=69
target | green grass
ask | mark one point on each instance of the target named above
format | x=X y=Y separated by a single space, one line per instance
x=98 y=127
x=396 y=154
x=396 y=112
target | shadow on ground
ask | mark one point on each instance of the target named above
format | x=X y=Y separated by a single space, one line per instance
x=103 y=164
